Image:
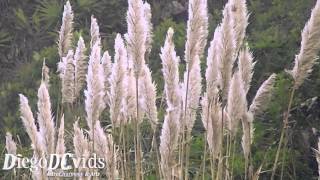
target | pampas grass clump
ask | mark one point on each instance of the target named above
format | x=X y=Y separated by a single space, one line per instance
x=120 y=94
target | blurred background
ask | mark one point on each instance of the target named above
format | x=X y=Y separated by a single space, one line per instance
x=28 y=34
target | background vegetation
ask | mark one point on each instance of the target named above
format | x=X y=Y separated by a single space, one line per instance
x=28 y=34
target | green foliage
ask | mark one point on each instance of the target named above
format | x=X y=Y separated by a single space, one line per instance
x=49 y=12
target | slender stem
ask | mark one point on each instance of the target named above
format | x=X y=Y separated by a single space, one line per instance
x=184 y=125
x=220 y=156
x=188 y=139
x=283 y=131
x=205 y=141
x=122 y=152
x=228 y=153
x=154 y=146
x=204 y=156
x=180 y=153
x=137 y=148
x=232 y=156
x=127 y=155
x=284 y=154
x=212 y=165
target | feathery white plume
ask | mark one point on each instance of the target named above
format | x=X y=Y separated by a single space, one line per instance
x=131 y=109
x=170 y=129
x=148 y=16
x=237 y=103
x=46 y=124
x=170 y=70
x=310 y=46
x=137 y=34
x=66 y=68
x=212 y=72
x=81 y=145
x=107 y=70
x=10 y=144
x=247 y=136
x=65 y=33
x=60 y=148
x=227 y=51
x=45 y=74
x=106 y=149
x=80 y=142
x=117 y=81
x=239 y=14
x=94 y=94
x=81 y=66
x=246 y=66
x=168 y=142
x=29 y=124
x=95 y=33
x=148 y=97
x=194 y=90
x=197 y=30
x=262 y=96
x=212 y=121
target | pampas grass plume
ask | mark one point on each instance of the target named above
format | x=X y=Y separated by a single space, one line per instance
x=65 y=33
x=81 y=66
x=262 y=96
x=137 y=34
x=246 y=66
x=95 y=33
x=117 y=81
x=45 y=119
x=310 y=46
x=94 y=94
x=10 y=144
x=60 y=148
